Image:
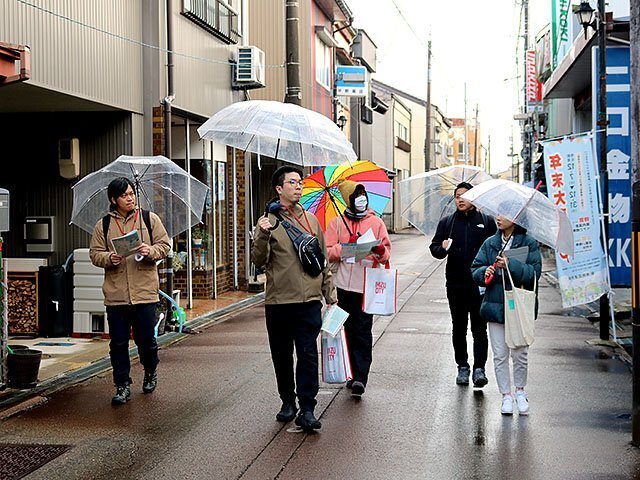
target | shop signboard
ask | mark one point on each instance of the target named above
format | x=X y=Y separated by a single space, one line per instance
x=351 y=81
x=618 y=158
x=561 y=28
x=571 y=176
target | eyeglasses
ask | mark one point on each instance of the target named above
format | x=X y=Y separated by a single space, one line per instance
x=128 y=195
x=293 y=183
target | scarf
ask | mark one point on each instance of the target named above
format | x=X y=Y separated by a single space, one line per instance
x=355 y=216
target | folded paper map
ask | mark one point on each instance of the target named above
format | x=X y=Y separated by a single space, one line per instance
x=127 y=244
x=334 y=318
x=361 y=249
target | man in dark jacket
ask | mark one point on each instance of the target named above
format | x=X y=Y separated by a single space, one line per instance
x=459 y=237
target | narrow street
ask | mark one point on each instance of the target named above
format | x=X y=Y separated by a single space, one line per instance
x=213 y=414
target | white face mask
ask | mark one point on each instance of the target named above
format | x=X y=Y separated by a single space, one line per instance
x=361 y=203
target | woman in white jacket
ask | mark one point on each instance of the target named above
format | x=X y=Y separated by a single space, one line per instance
x=349 y=278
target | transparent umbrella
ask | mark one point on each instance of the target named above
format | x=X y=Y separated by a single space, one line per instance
x=427 y=197
x=161 y=187
x=528 y=208
x=279 y=130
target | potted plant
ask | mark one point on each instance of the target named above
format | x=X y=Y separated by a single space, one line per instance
x=198 y=236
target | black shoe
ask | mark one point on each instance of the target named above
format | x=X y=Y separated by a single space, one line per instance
x=479 y=378
x=287 y=412
x=308 y=422
x=463 y=376
x=349 y=384
x=150 y=381
x=122 y=396
x=357 y=389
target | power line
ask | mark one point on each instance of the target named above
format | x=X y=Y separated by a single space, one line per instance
x=131 y=40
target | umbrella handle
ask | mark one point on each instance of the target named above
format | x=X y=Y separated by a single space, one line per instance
x=489 y=279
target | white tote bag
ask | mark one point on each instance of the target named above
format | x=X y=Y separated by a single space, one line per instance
x=379 y=292
x=519 y=314
x=336 y=367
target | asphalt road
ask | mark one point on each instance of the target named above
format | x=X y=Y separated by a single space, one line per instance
x=213 y=414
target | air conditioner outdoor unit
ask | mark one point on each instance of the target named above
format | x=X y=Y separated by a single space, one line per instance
x=249 y=71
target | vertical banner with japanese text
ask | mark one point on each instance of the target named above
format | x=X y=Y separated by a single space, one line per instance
x=618 y=159
x=572 y=185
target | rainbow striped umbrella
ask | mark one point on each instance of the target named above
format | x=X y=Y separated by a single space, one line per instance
x=320 y=194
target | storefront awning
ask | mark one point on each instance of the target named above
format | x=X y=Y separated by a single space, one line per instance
x=26 y=97
x=573 y=74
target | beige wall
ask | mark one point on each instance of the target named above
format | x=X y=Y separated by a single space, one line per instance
x=201 y=87
x=77 y=60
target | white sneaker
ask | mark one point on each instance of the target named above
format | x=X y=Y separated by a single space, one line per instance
x=523 y=402
x=507 y=405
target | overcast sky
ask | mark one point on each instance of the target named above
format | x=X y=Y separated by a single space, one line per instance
x=469 y=44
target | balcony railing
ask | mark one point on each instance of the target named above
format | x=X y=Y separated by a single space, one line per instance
x=215 y=16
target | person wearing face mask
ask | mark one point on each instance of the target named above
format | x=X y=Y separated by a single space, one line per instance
x=349 y=277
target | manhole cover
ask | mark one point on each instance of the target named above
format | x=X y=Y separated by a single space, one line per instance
x=18 y=460
x=54 y=344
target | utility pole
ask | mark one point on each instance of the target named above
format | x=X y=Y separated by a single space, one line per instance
x=489 y=156
x=475 y=139
x=527 y=124
x=427 y=138
x=294 y=92
x=604 y=175
x=635 y=208
x=466 y=143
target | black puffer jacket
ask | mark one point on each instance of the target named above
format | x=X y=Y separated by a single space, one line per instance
x=468 y=232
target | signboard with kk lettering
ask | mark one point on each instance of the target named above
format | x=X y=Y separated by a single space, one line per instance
x=618 y=159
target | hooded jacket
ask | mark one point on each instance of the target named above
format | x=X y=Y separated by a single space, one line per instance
x=287 y=282
x=468 y=231
x=492 y=308
x=350 y=276
x=131 y=282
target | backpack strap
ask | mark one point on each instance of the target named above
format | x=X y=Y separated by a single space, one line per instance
x=146 y=217
x=106 y=220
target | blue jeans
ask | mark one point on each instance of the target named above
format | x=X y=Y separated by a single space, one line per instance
x=122 y=319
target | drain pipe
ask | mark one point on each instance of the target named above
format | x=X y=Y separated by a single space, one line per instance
x=235 y=223
x=167 y=131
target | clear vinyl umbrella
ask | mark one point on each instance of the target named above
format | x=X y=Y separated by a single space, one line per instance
x=526 y=207
x=427 y=197
x=161 y=187
x=279 y=130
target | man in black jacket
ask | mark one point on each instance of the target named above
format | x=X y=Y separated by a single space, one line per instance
x=459 y=237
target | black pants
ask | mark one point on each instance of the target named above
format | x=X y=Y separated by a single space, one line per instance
x=289 y=325
x=141 y=318
x=464 y=304
x=359 y=337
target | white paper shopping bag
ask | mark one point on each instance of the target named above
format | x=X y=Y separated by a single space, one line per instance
x=379 y=295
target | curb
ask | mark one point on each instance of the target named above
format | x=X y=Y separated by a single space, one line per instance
x=103 y=364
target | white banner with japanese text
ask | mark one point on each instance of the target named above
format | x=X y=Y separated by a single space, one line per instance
x=572 y=185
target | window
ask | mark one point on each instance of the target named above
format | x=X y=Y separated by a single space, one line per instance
x=402 y=132
x=219 y=17
x=323 y=64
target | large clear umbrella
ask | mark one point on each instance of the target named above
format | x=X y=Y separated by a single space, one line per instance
x=161 y=187
x=526 y=207
x=283 y=131
x=427 y=197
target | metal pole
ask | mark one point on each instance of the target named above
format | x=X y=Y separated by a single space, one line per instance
x=294 y=92
x=602 y=126
x=4 y=319
x=527 y=124
x=167 y=135
x=466 y=143
x=635 y=223
x=427 y=140
x=475 y=139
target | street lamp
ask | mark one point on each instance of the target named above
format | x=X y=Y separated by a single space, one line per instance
x=341 y=121
x=585 y=12
x=585 y=16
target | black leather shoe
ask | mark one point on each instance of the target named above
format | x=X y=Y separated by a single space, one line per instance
x=308 y=422
x=287 y=412
x=122 y=396
x=150 y=381
x=349 y=384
